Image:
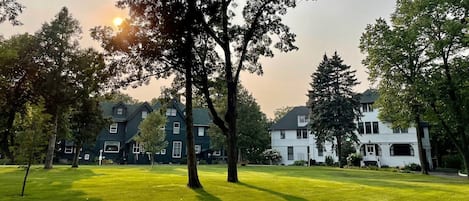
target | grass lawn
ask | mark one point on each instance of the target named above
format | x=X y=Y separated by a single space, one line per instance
x=165 y=182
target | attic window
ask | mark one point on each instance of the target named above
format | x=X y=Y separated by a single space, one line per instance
x=144 y=114
x=120 y=111
x=170 y=112
x=113 y=128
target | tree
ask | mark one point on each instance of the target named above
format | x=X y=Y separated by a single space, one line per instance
x=241 y=44
x=252 y=129
x=420 y=68
x=18 y=78
x=280 y=113
x=9 y=10
x=31 y=129
x=86 y=123
x=117 y=96
x=58 y=59
x=334 y=106
x=151 y=135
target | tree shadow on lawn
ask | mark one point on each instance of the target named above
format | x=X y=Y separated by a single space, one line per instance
x=204 y=195
x=279 y=194
x=54 y=184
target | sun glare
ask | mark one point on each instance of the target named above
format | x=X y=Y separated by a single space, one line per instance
x=117 y=21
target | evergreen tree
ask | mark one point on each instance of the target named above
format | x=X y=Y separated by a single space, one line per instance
x=334 y=106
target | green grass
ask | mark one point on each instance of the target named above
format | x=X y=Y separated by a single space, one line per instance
x=258 y=183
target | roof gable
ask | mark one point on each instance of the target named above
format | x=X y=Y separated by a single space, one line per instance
x=290 y=120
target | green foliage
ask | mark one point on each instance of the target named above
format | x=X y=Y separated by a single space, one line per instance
x=280 y=113
x=32 y=130
x=413 y=167
x=299 y=163
x=329 y=160
x=354 y=159
x=452 y=161
x=9 y=10
x=151 y=135
x=334 y=105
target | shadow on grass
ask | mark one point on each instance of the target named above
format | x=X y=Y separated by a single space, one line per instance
x=204 y=195
x=279 y=194
x=54 y=184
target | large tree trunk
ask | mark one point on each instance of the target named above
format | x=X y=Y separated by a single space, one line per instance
x=422 y=152
x=5 y=143
x=191 y=157
x=51 y=147
x=232 y=138
x=339 y=150
x=76 y=155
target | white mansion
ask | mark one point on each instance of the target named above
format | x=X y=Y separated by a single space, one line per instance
x=379 y=143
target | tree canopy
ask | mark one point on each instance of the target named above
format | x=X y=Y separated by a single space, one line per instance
x=151 y=136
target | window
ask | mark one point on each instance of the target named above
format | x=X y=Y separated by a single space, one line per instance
x=68 y=149
x=216 y=153
x=163 y=152
x=361 y=129
x=113 y=128
x=176 y=127
x=137 y=148
x=282 y=134
x=367 y=107
x=301 y=134
x=111 y=146
x=120 y=111
x=201 y=131
x=198 y=149
x=290 y=153
x=368 y=127
x=375 y=128
x=177 y=149
x=401 y=150
x=302 y=121
x=144 y=114
x=400 y=130
x=320 y=150
x=170 y=112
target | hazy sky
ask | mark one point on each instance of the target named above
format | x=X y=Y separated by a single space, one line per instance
x=321 y=26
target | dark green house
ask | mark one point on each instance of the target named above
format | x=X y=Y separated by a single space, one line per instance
x=117 y=143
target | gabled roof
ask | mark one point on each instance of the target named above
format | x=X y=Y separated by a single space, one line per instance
x=107 y=108
x=290 y=120
x=201 y=116
x=369 y=96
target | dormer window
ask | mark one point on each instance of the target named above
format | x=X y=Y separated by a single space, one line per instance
x=113 y=128
x=120 y=111
x=302 y=121
x=367 y=107
x=170 y=112
x=144 y=114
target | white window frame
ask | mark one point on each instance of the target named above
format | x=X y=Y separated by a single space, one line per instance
x=112 y=143
x=113 y=128
x=171 y=112
x=177 y=149
x=176 y=129
x=163 y=152
x=216 y=153
x=201 y=131
x=144 y=114
x=137 y=148
x=198 y=148
x=120 y=111
x=69 y=150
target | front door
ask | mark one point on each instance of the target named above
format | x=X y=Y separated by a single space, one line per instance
x=370 y=150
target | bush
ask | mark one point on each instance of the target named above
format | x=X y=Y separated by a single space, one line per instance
x=329 y=161
x=183 y=161
x=452 y=161
x=202 y=162
x=354 y=159
x=412 y=167
x=299 y=163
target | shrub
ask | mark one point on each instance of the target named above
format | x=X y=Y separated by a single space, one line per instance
x=183 y=161
x=202 y=162
x=299 y=163
x=452 y=161
x=354 y=159
x=329 y=161
x=412 y=167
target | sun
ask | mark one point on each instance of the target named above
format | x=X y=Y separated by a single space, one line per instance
x=117 y=21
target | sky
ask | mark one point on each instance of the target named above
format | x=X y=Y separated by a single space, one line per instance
x=322 y=27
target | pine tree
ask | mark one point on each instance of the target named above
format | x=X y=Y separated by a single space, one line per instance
x=334 y=106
